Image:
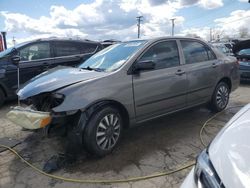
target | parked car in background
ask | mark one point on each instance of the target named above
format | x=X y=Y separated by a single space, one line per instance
x=224 y=48
x=129 y=83
x=38 y=56
x=242 y=52
x=225 y=163
x=110 y=42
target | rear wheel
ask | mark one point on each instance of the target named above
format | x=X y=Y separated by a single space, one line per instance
x=2 y=97
x=103 y=131
x=220 y=97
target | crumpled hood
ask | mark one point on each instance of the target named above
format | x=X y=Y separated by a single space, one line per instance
x=230 y=150
x=241 y=45
x=55 y=79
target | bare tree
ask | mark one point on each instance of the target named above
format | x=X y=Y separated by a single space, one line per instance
x=192 y=35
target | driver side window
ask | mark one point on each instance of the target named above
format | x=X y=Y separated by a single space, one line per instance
x=164 y=55
x=35 y=52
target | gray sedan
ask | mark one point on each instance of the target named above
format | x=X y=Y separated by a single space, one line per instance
x=126 y=84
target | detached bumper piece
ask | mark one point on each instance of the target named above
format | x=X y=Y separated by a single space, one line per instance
x=28 y=118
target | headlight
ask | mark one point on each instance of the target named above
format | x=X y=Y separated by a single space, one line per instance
x=204 y=173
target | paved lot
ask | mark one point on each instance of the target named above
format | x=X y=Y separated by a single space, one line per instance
x=160 y=145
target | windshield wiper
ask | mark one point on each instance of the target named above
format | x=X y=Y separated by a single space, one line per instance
x=90 y=68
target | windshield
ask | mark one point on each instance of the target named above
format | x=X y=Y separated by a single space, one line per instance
x=8 y=50
x=113 y=57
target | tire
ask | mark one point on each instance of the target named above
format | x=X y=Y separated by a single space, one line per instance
x=220 y=97
x=103 y=131
x=2 y=97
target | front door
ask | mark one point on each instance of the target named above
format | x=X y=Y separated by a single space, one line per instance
x=163 y=89
x=35 y=59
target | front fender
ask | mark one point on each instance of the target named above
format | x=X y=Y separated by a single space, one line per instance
x=82 y=95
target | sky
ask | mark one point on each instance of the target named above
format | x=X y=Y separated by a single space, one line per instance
x=116 y=19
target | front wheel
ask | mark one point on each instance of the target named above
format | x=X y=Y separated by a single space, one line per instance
x=220 y=97
x=103 y=131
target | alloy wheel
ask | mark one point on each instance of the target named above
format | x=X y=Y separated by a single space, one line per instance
x=108 y=131
x=222 y=96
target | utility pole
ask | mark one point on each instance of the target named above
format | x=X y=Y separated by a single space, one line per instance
x=139 y=20
x=14 y=41
x=211 y=36
x=173 y=19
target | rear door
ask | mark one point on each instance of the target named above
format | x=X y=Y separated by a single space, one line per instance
x=66 y=53
x=162 y=89
x=35 y=59
x=202 y=71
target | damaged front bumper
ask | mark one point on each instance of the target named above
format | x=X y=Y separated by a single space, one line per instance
x=28 y=118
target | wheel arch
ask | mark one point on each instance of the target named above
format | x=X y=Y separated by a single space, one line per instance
x=122 y=109
x=227 y=80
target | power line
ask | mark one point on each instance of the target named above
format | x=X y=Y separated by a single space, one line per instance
x=237 y=20
x=218 y=12
x=211 y=24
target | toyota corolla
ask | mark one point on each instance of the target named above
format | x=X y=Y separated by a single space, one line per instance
x=126 y=84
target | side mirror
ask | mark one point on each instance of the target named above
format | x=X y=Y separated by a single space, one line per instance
x=15 y=60
x=144 y=65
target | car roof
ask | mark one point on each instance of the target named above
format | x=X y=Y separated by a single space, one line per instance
x=65 y=40
x=165 y=38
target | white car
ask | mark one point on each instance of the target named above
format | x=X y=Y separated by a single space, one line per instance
x=226 y=161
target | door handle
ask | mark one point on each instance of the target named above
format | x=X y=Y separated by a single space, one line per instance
x=180 y=72
x=214 y=65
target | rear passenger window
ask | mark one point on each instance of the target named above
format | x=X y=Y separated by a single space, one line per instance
x=164 y=54
x=195 y=52
x=66 y=49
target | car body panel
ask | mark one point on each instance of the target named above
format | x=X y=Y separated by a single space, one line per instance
x=202 y=78
x=241 y=45
x=167 y=92
x=230 y=150
x=56 y=78
x=245 y=68
x=84 y=94
x=189 y=180
x=229 y=153
x=243 y=58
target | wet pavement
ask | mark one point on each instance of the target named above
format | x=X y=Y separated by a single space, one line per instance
x=157 y=146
